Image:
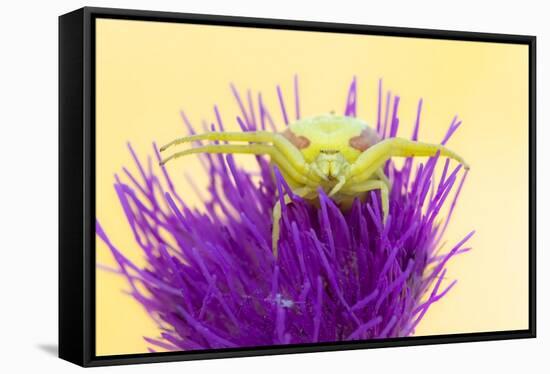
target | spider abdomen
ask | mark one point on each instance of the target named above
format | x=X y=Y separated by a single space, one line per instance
x=331 y=133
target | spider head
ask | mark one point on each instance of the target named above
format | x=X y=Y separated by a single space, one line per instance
x=330 y=165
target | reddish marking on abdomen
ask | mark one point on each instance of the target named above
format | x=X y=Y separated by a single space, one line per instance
x=363 y=141
x=299 y=142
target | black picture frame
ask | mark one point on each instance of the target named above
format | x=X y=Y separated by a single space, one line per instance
x=77 y=184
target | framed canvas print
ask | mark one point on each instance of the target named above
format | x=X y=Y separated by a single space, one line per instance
x=235 y=186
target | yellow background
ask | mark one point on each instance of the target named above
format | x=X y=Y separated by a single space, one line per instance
x=148 y=71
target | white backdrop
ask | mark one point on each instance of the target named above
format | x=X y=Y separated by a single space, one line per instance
x=28 y=184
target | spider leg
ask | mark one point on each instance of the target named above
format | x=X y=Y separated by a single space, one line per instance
x=292 y=183
x=258 y=149
x=383 y=177
x=338 y=186
x=374 y=157
x=276 y=230
x=284 y=146
x=249 y=136
x=373 y=185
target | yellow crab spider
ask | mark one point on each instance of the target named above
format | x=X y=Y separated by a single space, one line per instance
x=342 y=155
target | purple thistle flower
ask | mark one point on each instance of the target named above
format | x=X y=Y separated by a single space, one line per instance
x=340 y=275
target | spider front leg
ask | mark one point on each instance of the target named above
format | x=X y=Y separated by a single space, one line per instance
x=276 y=230
x=374 y=157
x=370 y=185
x=283 y=148
x=383 y=177
x=293 y=169
x=282 y=153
